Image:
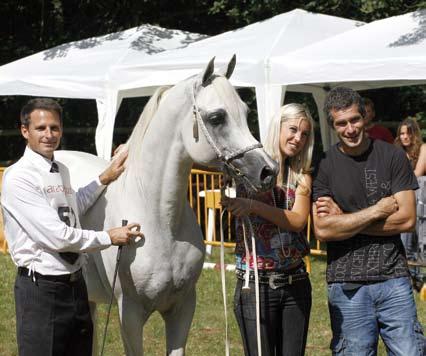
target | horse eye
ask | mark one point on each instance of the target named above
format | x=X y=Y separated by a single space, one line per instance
x=217 y=118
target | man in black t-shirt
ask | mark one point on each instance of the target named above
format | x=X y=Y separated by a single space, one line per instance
x=363 y=199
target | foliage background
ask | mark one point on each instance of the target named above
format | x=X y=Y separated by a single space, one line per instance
x=28 y=27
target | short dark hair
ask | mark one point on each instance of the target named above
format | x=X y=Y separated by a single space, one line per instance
x=42 y=104
x=340 y=98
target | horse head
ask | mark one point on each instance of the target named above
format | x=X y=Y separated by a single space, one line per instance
x=216 y=133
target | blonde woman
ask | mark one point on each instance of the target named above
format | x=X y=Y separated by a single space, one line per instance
x=277 y=219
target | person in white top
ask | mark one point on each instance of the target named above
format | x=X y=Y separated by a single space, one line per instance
x=46 y=241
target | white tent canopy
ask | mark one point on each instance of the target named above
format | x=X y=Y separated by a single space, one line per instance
x=255 y=46
x=81 y=69
x=384 y=53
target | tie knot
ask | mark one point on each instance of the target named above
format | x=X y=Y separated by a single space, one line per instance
x=54 y=168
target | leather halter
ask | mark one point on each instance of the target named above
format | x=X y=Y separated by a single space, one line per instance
x=226 y=159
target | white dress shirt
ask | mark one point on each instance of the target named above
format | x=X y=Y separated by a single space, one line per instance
x=40 y=211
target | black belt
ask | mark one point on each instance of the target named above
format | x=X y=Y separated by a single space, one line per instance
x=273 y=279
x=66 y=278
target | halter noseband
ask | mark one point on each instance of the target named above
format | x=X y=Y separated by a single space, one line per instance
x=226 y=159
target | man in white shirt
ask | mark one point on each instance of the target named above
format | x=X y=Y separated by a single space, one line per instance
x=46 y=241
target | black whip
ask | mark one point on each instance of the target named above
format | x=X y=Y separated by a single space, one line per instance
x=123 y=223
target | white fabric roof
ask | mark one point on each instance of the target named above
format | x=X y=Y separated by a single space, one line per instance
x=255 y=46
x=81 y=69
x=393 y=49
x=383 y=53
x=116 y=66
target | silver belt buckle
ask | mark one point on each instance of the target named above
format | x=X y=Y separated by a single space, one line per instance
x=273 y=277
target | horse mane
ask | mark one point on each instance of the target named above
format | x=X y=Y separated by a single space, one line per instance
x=134 y=142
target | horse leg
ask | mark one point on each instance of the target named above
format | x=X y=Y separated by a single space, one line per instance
x=178 y=322
x=132 y=319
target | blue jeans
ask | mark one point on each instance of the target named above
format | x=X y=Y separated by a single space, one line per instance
x=411 y=244
x=359 y=315
x=284 y=318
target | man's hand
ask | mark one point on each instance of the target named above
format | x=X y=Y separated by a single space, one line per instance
x=123 y=235
x=115 y=168
x=386 y=207
x=238 y=206
x=327 y=206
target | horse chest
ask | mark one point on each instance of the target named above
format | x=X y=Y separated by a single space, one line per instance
x=158 y=271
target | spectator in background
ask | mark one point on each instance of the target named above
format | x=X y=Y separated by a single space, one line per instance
x=375 y=131
x=410 y=140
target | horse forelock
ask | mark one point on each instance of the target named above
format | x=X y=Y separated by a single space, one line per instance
x=232 y=102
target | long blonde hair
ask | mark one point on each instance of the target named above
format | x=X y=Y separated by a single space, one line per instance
x=300 y=164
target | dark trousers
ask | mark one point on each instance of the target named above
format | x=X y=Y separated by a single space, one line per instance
x=284 y=318
x=52 y=317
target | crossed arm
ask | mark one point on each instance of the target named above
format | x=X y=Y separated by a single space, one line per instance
x=389 y=216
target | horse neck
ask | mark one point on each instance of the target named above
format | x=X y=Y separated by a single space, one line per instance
x=161 y=177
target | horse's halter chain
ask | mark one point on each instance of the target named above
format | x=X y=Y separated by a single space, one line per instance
x=226 y=159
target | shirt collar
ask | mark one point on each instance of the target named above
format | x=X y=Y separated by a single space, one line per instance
x=38 y=160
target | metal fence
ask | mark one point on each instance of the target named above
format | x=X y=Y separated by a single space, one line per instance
x=204 y=198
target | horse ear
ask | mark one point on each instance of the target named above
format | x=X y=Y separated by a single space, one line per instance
x=208 y=71
x=231 y=66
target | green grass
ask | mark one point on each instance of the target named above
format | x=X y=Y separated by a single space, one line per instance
x=206 y=337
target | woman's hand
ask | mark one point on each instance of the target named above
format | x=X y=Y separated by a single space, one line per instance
x=238 y=206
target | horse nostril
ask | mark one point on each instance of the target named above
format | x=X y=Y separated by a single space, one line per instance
x=267 y=172
x=267 y=177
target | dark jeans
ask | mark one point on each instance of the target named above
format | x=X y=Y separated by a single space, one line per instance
x=52 y=318
x=284 y=318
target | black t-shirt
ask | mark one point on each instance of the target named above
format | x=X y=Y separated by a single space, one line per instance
x=355 y=183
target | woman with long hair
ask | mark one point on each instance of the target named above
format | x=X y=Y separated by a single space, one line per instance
x=409 y=138
x=276 y=219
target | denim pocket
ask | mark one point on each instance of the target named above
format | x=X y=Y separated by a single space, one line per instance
x=331 y=291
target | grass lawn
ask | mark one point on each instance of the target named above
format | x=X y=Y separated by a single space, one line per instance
x=206 y=337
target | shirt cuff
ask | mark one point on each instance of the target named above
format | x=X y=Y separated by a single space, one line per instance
x=98 y=181
x=105 y=239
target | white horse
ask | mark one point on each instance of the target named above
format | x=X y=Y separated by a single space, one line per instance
x=202 y=120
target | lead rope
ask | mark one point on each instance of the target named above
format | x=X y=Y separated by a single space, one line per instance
x=256 y=286
x=247 y=274
x=222 y=276
x=222 y=265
